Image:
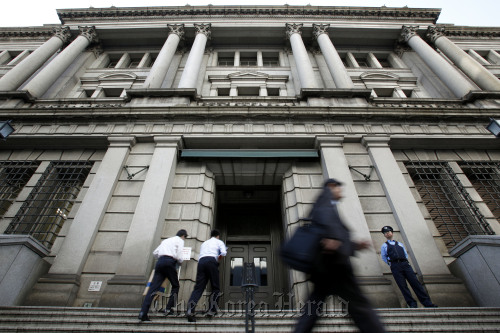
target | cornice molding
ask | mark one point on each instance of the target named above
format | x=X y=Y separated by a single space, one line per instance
x=45 y=32
x=379 y=13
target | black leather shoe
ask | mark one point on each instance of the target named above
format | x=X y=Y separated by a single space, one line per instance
x=431 y=306
x=143 y=317
x=190 y=316
x=168 y=312
x=210 y=313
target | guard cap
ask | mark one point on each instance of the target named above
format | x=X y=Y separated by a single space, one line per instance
x=387 y=228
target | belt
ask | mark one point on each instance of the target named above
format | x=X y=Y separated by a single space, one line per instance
x=399 y=260
x=166 y=257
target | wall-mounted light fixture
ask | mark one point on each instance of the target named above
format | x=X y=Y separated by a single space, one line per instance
x=5 y=129
x=494 y=127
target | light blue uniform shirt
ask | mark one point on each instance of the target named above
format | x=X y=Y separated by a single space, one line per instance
x=383 y=251
x=213 y=248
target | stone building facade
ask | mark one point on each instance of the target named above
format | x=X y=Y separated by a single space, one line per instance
x=132 y=123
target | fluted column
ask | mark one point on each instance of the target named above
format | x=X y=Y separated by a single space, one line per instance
x=480 y=75
x=162 y=63
x=446 y=72
x=335 y=66
x=29 y=65
x=48 y=75
x=304 y=67
x=193 y=64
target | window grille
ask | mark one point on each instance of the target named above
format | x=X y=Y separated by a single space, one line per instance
x=485 y=177
x=450 y=206
x=13 y=177
x=47 y=207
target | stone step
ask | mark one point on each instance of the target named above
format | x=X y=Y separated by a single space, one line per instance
x=66 y=319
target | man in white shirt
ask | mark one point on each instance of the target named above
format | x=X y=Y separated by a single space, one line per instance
x=208 y=269
x=169 y=253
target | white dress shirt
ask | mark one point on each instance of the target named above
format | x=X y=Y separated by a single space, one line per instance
x=213 y=248
x=171 y=247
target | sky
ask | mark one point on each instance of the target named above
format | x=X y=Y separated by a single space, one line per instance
x=18 y=13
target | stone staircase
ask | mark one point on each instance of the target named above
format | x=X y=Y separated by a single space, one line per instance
x=71 y=319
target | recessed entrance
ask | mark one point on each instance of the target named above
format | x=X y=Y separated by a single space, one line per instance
x=250 y=220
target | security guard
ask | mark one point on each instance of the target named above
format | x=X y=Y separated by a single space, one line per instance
x=394 y=254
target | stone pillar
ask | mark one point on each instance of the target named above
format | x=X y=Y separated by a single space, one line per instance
x=426 y=258
x=446 y=72
x=126 y=287
x=22 y=71
x=193 y=64
x=334 y=165
x=48 y=75
x=302 y=61
x=236 y=62
x=162 y=63
x=480 y=75
x=334 y=62
x=417 y=237
x=260 y=59
x=60 y=285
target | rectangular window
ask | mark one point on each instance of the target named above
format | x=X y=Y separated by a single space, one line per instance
x=248 y=91
x=450 y=206
x=485 y=177
x=43 y=213
x=225 y=59
x=248 y=59
x=270 y=59
x=223 y=92
x=14 y=175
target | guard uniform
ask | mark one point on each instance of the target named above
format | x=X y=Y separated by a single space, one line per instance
x=394 y=254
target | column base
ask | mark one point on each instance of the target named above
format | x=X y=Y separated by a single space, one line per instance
x=54 y=290
x=123 y=291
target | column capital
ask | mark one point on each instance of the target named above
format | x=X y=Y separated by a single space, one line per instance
x=328 y=142
x=293 y=28
x=176 y=29
x=376 y=141
x=407 y=32
x=89 y=33
x=122 y=141
x=63 y=33
x=203 y=28
x=433 y=33
x=319 y=29
x=169 y=141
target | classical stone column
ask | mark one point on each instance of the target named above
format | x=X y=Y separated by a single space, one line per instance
x=48 y=75
x=162 y=63
x=146 y=226
x=337 y=69
x=60 y=285
x=446 y=72
x=29 y=65
x=416 y=235
x=480 y=75
x=193 y=64
x=302 y=61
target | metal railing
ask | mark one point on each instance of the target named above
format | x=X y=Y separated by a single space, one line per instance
x=250 y=286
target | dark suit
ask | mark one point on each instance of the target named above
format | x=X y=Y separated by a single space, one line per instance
x=333 y=273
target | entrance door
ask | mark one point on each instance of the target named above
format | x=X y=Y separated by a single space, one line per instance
x=258 y=253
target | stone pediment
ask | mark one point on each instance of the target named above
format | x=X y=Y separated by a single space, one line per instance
x=248 y=75
x=379 y=76
x=117 y=77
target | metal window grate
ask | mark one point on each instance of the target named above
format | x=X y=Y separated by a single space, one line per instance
x=485 y=177
x=13 y=177
x=450 y=206
x=43 y=213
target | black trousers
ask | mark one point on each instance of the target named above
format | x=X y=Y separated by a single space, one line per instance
x=208 y=270
x=164 y=269
x=338 y=279
x=403 y=272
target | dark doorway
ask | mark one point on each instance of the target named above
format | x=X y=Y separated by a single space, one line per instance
x=250 y=220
